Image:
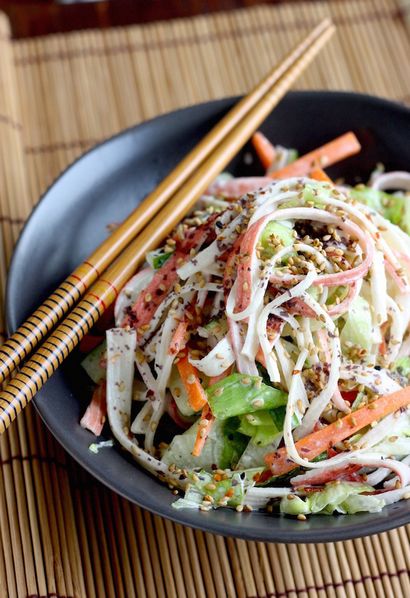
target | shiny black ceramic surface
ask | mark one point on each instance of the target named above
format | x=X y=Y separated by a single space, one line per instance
x=102 y=187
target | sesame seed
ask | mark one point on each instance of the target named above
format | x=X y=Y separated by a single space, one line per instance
x=191 y=379
x=148 y=297
x=301 y=517
x=257 y=403
x=239 y=508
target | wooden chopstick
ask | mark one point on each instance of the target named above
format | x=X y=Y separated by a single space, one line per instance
x=22 y=388
x=45 y=318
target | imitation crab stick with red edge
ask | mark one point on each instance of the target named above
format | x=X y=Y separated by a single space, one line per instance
x=264 y=148
x=316 y=443
x=190 y=379
x=340 y=148
x=96 y=412
x=178 y=341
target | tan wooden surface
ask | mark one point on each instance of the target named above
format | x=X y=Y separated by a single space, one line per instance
x=62 y=533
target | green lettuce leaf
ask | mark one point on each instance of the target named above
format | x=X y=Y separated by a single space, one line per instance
x=336 y=496
x=238 y=394
x=92 y=363
x=223 y=447
x=358 y=327
x=229 y=492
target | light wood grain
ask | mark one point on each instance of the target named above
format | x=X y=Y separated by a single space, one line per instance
x=119 y=77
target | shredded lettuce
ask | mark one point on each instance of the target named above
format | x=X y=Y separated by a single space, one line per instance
x=358 y=327
x=95 y=447
x=402 y=366
x=216 y=330
x=223 y=447
x=254 y=456
x=317 y=193
x=157 y=258
x=368 y=196
x=92 y=363
x=238 y=394
x=356 y=503
x=342 y=497
x=358 y=401
x=394 y=207
x=226 y=492
x=276 y=230
x=179 y=394
x=234 y=442
x=294 y=505
x=179 y=451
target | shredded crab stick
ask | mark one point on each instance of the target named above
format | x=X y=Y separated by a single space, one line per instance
x=179 y=339
x=340 y=148
x=234 y=188
x=141 y=313
x=264 y=148
x=314 y=444
x=190 y=379
x=96 y=412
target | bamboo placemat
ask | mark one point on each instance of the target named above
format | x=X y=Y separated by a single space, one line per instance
x=61 y=532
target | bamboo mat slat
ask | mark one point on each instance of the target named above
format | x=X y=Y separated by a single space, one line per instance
x=62 y=533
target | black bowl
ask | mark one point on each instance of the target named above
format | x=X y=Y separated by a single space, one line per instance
x=103 y=187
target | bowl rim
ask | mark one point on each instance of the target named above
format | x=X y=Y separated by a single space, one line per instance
x=208 y=524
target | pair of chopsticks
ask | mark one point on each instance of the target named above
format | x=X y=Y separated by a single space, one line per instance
x=102 y=275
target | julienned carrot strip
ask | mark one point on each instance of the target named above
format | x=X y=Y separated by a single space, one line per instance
x=204 y=427
x=178 y=341
x=314 y=444
x=263 y=147
x=340 y=148
x=319 y=175
x=190 y=379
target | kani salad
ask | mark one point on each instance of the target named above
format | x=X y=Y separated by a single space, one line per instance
x=273 y=328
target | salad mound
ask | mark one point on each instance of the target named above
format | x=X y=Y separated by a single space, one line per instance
x=272 y=327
